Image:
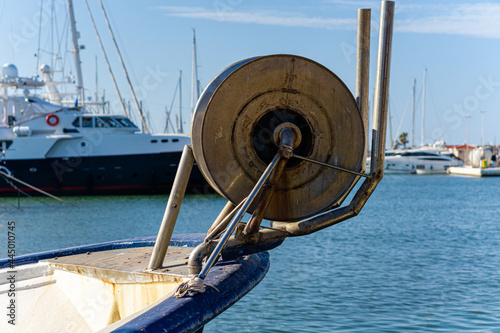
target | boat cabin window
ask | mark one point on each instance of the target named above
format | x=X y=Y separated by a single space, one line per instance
x=100 y=123
x=418 y=154
x=125 y=122
x=103 y=122
x=87 y=122
x=110 y=122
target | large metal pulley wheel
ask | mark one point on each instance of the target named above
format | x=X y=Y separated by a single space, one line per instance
x=234 y=133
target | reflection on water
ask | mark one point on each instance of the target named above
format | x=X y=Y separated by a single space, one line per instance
x=423 y=255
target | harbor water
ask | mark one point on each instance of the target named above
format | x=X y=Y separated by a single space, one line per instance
x=423 y=255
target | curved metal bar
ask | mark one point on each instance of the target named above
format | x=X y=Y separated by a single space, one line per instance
x=331 y=166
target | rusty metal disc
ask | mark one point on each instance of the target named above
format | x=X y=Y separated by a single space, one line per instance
x=234 y=121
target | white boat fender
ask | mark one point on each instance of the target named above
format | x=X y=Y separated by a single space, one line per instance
x=52 y=119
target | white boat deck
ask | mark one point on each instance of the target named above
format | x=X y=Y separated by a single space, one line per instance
x=120 y=286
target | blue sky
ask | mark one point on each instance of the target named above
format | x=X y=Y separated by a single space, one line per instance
x=458 y=42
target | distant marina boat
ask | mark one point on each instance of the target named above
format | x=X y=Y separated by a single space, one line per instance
x=419 y=161
x=288 y=146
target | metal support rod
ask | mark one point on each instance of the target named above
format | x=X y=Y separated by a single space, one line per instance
x=253 y=224
x=335 y=216
x=228 y=209
x=331 y=166
x=363 y=70
x=172 y=209
x=287 y=137
x=237 y=218
x=382 y=88
x=223 y=224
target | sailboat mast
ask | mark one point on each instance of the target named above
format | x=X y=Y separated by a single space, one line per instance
x=76 y=51
x=423 y=108
x=195 y=83
x=413 y=115
x=180 y=129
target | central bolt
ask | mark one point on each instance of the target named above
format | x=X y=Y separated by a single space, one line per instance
x=287 y=134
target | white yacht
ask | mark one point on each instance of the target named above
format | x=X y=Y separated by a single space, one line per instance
x=65 y=150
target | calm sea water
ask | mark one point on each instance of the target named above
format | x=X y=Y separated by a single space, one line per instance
x=423 y=255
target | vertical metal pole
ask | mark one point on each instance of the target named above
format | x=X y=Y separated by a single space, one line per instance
x=172 y=209
x=423 y=110
x=382 y=88
x=363 y=70
x=413 y=115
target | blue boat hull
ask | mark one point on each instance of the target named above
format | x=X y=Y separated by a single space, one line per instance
x=94 y=175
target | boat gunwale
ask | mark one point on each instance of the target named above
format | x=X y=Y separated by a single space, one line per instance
x=188 y=240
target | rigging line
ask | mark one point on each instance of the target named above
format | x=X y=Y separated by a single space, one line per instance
x=107 y=61
x=59 y=38
x=172 y=104
x=167 y=120
x=434 y=103
x=64 y=59
x=139 y=109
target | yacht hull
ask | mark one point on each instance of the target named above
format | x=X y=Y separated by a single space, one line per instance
x=95 y=175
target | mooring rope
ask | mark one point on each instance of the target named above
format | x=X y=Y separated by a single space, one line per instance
x=192 y=287
x=4 y=174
